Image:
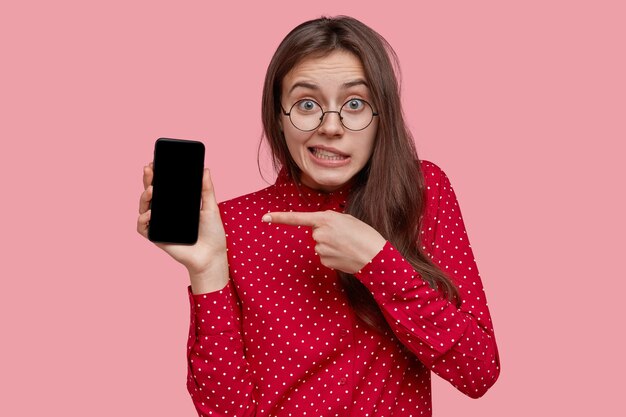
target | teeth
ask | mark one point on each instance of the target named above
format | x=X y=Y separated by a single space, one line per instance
x=323 y=154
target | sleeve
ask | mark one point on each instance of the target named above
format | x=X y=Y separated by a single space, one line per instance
x=457 y=343
x=218 y=378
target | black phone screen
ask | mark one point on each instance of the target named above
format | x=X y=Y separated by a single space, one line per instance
x=177 y=191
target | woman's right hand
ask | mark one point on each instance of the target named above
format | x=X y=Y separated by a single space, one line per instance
x=206 y=260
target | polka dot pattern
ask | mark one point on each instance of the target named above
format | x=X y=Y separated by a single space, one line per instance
x=281 y=340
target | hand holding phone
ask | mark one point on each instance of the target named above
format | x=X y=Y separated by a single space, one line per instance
x=205 y=260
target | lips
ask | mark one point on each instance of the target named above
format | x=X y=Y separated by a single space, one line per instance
x=327 y=154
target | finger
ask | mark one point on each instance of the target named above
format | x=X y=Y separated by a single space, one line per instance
x=147 y=175
x=145 y=199
x=315 y=234
x=142 y=223
x=208 y=192
x=293 y=218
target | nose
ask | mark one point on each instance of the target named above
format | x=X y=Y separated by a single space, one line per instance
x=331 y=124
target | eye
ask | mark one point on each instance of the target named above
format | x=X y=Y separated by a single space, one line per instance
x=354 y=104
x=307 y=106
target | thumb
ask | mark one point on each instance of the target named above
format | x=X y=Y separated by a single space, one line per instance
x=208 y=192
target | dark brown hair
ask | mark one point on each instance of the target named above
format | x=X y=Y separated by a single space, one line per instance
x=389 y=191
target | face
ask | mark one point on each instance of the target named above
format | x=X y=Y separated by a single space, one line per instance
x=330 y=155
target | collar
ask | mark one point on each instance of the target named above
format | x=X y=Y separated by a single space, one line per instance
x=303 y=198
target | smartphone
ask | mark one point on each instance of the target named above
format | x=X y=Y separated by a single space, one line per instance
x=177 y=191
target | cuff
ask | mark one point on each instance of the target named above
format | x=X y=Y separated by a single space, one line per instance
x=214 y=312
x=388 y=273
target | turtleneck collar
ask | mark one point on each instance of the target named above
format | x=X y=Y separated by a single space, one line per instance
x=316 y=200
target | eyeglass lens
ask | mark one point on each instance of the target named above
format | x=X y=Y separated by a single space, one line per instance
x=355 y=114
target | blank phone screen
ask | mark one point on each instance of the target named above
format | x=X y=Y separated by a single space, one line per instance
x=177 y=190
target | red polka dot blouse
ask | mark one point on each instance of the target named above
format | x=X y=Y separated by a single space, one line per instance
x=281 y=340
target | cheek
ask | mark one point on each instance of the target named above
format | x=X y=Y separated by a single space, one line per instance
x=295 y=143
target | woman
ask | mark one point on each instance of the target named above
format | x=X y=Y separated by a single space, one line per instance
x=336 y=290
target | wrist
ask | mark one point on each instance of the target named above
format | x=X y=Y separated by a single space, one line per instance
x=213 y=278
x=376 y=244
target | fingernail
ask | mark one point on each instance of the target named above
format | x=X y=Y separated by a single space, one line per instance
x=267 y=218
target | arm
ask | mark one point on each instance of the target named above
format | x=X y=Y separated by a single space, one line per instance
x=458 y=344
x=218 y=378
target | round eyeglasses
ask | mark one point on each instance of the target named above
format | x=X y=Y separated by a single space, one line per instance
x=307 y=115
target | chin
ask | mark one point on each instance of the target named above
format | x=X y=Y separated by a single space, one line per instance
x=326 y=183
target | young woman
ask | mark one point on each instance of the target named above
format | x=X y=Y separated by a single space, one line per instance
x=337 y=290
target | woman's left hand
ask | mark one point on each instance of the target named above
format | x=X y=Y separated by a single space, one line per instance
x=343 y=242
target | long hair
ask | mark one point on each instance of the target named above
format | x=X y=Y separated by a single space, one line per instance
x=389 y=192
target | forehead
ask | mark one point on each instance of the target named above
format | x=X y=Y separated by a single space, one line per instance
x=332 y=70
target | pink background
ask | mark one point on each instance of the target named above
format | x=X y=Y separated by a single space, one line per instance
x=521 y=103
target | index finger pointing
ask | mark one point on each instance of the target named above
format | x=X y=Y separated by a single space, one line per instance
x=293 y=218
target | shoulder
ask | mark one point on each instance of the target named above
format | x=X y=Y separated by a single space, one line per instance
x=241 y=216
x=440 y=204
x=431 y=171
x=438 y=190
x=435 y=179
x=254 y=201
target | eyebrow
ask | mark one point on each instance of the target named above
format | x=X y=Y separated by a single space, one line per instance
x=313 y=86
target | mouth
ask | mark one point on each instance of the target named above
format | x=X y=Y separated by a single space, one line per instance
x=327 y=155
